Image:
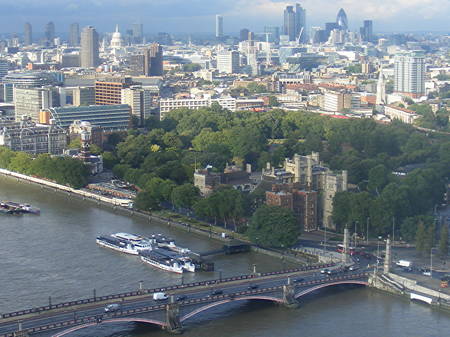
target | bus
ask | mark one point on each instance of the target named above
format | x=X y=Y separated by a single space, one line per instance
x=351 y=250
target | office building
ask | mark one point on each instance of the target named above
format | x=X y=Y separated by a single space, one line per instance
x=30 y=101
x=340 y=101
x=74 y=35
x=409 y=74
x=405 y=115
x=341 y=20
x=109 y=91
x=154 y=60
x=27 y=34
x=3 y=68
x=272 y=34
x=71 y=60
x=49 y=33
x=31 y=138
x=300 y=23
x=26 y=80
x=140 y=101
x=83 y=96
x=149 y=62
x=243 y=34
x=89 y=53
x=219 y=26
x=110 y=117
x=367 y=31
x=289 y=23
x=168 y=104
x=137 y=32
x=228 y=61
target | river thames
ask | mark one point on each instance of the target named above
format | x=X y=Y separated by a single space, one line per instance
x=55 y=255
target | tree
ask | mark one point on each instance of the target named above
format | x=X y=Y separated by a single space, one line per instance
x=145 y=201
x=420 y=237
x=185 y=195
x=273 y=226
x=273 y=101
x=443 y=241
x=378 y=178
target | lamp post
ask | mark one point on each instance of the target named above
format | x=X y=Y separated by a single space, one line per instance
x=378 y=251
x=367 y=233
x=431 y=262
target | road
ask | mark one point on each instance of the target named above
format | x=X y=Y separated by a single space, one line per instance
x=204 y=292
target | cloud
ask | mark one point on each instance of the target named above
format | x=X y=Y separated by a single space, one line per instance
x=182 y=15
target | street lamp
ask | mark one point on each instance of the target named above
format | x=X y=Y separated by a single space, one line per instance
x=367 y=233
x=431 y=262
x=378 y=251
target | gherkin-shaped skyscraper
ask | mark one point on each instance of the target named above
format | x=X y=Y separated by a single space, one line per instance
x=342 y=20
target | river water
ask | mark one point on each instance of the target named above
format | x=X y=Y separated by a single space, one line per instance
x=55 y=255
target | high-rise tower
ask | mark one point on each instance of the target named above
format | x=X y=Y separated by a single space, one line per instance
x=409 y=73
x=74 y=35
x=289 y=23
x=138 y=32
x=28 y=34
x=219 y=26
x=300 y=23
x=367 y=31
x=89 y=48
x=49 y=33
x=342 y=20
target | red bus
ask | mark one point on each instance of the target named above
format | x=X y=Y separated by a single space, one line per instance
x=351 y=250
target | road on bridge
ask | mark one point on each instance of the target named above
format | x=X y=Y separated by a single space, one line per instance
x=186 y=295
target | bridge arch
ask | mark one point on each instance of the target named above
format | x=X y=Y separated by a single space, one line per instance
x=113 y=320
x=326 y=285
x=229 y=300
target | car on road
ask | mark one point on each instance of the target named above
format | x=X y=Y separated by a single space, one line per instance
x=299 y=280
x=252 y=287
x=112 y=307
x=216 y=292
x=160 y=296
x=324 y=271
x=426 y=272
x=181 y=298
x=353 y=268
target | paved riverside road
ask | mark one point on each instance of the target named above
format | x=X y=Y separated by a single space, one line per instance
x=156 y=309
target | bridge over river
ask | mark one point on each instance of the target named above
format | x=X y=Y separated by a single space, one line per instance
x=186 y=301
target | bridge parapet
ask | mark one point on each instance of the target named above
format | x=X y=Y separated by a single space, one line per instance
x=143 y=292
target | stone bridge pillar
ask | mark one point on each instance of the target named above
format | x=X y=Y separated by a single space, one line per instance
x=20 y=333
x=173 y=318
x=289 y=296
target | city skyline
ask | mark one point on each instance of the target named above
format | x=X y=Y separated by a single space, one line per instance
x=199 y=16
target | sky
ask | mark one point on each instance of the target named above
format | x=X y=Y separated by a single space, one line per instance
x=176 y=16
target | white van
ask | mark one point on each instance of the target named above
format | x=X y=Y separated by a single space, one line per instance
x=160 y=296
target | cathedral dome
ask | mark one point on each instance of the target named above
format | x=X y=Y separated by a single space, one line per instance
x=116 y=40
